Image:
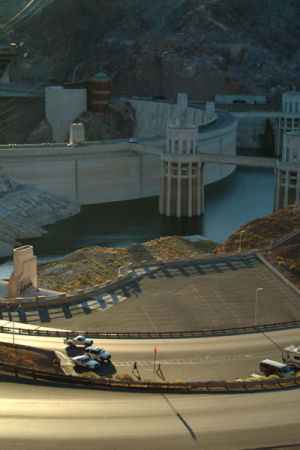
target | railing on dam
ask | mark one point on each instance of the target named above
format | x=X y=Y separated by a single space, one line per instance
x=251 y=161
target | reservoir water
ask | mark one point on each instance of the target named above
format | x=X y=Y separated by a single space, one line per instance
x=243 y=196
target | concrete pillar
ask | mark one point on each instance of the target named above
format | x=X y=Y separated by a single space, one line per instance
x=178 y=211
x=202 y=188
x=162 y=188
x=25 y=271
x=286 y=188
x=168 y=199
x=298 y=186
x=190 y=191
x=276 y=189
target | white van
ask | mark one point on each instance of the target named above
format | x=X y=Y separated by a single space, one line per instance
x=269 y=367
x=291 y=356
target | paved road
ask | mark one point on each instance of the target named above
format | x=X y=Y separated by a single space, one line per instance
x=35 y=417
x=197 y=359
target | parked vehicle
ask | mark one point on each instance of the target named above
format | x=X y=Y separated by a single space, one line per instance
x=85 y=361
x=269 y=367
x=97 y=353
x=133 y=140
x=291 y=356
x=80 y=341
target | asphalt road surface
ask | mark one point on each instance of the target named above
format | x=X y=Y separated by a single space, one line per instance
x=196 y=359
x=45 y=417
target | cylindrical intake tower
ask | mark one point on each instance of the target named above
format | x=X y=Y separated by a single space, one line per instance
x=290 y=118
x=181 y=194
x=287 y=173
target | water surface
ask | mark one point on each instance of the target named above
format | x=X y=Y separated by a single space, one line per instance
x=229 y=203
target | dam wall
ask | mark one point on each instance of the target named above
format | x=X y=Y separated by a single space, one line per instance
x=90 y=173
x=116 y=170
x=152 y=117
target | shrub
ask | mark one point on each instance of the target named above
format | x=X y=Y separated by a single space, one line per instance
x=124 y=377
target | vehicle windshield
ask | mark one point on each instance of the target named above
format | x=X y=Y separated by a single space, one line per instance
x=286 y=369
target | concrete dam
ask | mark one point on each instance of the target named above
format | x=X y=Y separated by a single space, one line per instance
x=108 y=171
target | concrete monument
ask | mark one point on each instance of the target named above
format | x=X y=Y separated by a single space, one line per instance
x=25 y=271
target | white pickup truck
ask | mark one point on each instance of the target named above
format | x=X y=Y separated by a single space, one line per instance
x=291 y=356
x=85 y=361
x=78 y=341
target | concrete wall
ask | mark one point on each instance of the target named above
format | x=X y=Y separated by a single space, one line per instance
x=62 y=107
x=91 y=173
x=96 y=172
x=152 y=117
x=99 y=172
x=223 y=142
x=251 y=125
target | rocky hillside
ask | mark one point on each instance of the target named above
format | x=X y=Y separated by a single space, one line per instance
x=154 y=47
x=25 y=209
x=276 y=236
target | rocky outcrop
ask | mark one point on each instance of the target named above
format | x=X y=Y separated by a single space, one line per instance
x=153 y=47
x=42 y=133
x=118 y=122
x=94 y=128
x=25 y=209
x=120 y=116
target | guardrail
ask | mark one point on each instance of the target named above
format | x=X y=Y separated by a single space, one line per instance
x=81 y=294
x=192 y=387
x=154 y=334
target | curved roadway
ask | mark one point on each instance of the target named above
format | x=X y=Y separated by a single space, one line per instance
x=35 y=417
x=194 y=359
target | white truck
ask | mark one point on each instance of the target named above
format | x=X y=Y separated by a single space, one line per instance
x=291 y=356
x=81 y=341
x=85 y=361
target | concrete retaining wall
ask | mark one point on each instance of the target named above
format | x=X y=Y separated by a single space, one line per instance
x=62 y=106
x=252 y=125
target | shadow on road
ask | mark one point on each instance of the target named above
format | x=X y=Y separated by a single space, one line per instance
x=106 y=369
x=74 y=351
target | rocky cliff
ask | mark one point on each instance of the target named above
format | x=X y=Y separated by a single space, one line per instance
x=159 y=47
x=25 y=209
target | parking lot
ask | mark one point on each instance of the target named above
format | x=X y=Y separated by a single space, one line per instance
x=209 y=295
